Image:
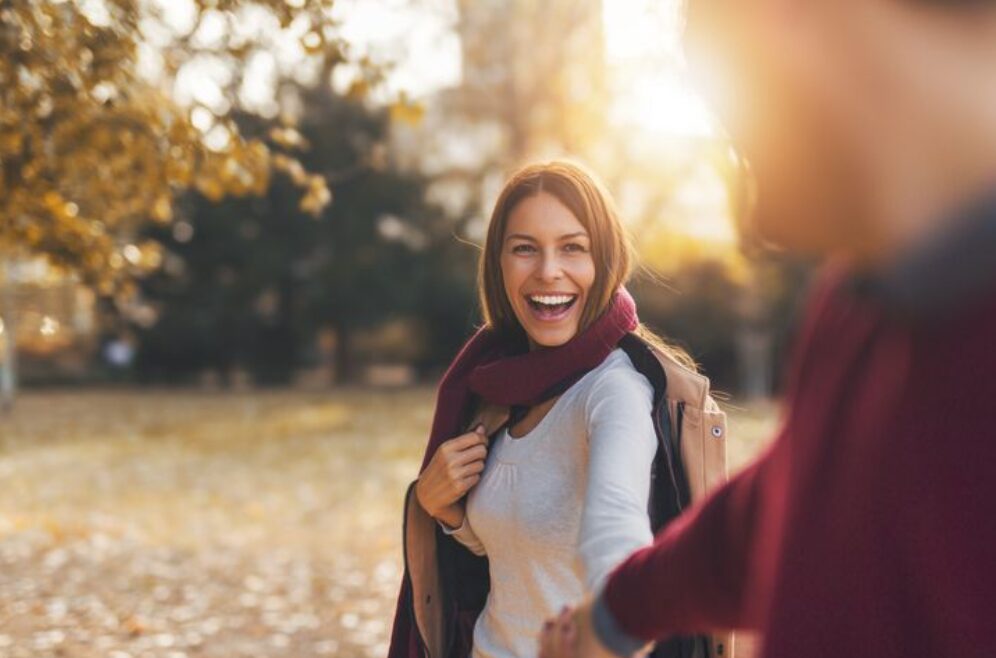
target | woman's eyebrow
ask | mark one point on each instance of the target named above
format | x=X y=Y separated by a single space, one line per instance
x=566 y=236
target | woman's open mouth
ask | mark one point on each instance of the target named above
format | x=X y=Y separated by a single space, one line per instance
x=551 y=308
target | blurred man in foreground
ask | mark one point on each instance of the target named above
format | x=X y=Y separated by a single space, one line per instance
x=869 y=527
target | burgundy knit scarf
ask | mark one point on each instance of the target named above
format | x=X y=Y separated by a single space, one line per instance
x=500 y=371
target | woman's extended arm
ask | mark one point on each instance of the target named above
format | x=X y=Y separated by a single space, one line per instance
x=621 y=444
x=690 y=578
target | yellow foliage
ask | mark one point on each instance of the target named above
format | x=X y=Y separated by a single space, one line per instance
x=407 y=111
x=89 y=150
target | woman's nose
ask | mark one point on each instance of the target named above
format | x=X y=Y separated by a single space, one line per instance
x=550 y=268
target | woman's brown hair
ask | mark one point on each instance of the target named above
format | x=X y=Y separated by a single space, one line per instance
x=611 y=249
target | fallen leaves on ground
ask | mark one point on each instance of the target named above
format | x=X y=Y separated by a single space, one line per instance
x=180 y=524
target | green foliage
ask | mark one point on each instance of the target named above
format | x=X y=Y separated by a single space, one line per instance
x=251 y=282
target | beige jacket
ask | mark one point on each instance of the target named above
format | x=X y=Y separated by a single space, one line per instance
x=693 y=414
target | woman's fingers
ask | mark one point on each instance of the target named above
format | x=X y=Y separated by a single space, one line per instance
x=565 y=633
x=547 y=636
x=465 y=441
x=568 y=639
x=473 y=468
x=453 y=470
x=459 y=477
x=473 y=454
x=465 y=484
x=558 y=636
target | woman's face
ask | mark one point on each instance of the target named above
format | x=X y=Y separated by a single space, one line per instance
x=547 y=269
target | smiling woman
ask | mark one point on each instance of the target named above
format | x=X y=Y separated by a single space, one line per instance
x=561 y=398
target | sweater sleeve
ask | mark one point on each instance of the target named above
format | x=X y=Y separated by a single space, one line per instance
x=465 y=535
x=693 y=577
x=621 y=448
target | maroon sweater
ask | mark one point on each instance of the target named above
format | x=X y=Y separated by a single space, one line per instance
x=868 y=528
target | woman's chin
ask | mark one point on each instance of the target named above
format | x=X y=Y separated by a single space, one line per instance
x=550 y=337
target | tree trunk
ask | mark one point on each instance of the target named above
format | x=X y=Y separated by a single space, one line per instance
x=343 y=355
x=755 y=342
x=754 y=354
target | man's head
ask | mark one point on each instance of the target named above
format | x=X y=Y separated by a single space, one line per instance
x=829 y=100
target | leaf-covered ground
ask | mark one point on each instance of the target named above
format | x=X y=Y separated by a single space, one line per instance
x=171 y=524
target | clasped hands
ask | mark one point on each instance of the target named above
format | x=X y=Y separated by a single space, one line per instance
x=571 y=634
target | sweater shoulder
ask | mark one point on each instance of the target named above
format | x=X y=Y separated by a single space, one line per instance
x=618 y=383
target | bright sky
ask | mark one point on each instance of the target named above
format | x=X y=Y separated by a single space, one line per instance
x=642 y=44
x=645 y=64
x=649 y=96
x=418 y=36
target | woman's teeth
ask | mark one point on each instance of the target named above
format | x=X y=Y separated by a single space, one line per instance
x=552 y=300
x=551 y=307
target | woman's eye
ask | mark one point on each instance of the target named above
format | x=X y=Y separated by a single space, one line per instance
x=574 y=246
x=522 y=249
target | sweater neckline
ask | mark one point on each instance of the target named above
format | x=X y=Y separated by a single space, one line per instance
x=512 y=450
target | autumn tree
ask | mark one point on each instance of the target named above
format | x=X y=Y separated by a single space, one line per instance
x=94 y=141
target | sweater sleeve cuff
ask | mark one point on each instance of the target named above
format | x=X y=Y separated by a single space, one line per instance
x=609 y=633
x=447 y=530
